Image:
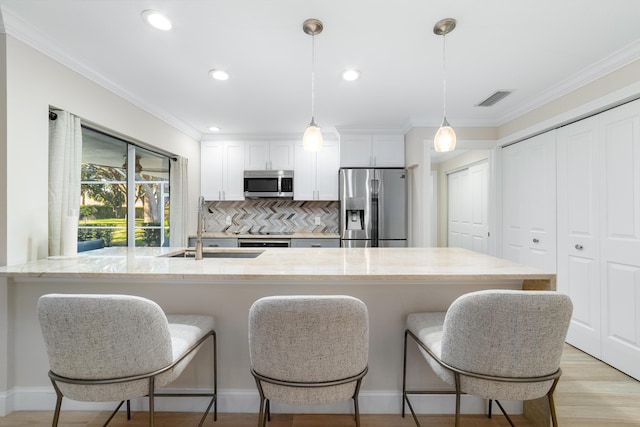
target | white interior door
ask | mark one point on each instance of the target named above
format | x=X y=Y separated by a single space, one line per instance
x=468 y=225
x=578 y=276
x=529 y=202
x=620 y=212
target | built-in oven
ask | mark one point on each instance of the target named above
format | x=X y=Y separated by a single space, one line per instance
x=268 y=184
x=264 y=243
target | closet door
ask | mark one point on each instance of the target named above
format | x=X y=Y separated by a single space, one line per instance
x=529 y=202
x=468 y=193
x=620 y=130
x=578 y=160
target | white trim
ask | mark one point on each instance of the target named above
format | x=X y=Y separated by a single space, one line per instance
x=32 y=37
x=247 y=401
x=592 y=107
x=604 y=66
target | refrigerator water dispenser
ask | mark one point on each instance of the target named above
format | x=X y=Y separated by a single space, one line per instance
x=355 y=219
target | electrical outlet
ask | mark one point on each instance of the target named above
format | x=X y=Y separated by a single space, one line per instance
x=318 y=220
x=228 y=221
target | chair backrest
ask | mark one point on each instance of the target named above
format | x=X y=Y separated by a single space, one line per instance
x=103 y=336
x=507 y=333
x=309 y=338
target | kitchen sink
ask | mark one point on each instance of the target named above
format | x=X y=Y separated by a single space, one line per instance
x=230 y=254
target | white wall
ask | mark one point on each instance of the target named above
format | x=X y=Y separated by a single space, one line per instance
x=35 y=82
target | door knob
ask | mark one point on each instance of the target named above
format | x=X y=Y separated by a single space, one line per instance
x=536 y=241
x=578 y=247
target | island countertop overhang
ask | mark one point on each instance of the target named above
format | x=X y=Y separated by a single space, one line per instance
x=365 y=265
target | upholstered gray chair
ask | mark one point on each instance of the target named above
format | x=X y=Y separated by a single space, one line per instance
x=308 y=349
x=119 y=347
x=495 y=344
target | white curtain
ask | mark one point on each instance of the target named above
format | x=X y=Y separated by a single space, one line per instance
x=178 y=208
x=65 y=156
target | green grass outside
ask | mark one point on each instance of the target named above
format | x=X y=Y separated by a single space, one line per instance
x=119 y=236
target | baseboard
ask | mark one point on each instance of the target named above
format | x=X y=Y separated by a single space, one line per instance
x=247 y=401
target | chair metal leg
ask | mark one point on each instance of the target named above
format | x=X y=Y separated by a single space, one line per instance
x=456 y=376
x=552 y=406
x=113 y=414
x=56 y=413
x=505 y=413
x=268 y=411
x=151 y=400
x=404 y=373
x=490 y=408
x=128 y=409
x=356 y=408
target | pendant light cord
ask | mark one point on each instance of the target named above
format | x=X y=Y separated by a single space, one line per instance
x=444 y=78
x=313 y=75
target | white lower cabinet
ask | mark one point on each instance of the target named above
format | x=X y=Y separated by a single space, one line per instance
x=210 y=242
x=599 y=234
x=315 y=243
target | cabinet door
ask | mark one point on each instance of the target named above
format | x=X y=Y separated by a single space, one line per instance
x=327 y=165
x=256 y=155
x=315 y=243
x=355 y=151
x=620 y=237
x=304 y=173
x=578 y=159
x=387 y=151
x=233 y=171
x=529 y=202
x=281 y=155
x=211 y=154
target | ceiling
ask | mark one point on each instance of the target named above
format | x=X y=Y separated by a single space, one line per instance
x=539 y=49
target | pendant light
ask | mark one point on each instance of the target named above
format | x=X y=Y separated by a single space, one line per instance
x=312 y=138
x=445 y=139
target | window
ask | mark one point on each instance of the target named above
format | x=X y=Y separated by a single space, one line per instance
x=122 y=209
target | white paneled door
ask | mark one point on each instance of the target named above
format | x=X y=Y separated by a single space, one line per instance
x=620 y=130
x=468 y=225
x=599 y=234
x=529 y=202
x=579 y=173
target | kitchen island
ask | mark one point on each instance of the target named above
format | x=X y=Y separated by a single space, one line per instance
x=391 y=281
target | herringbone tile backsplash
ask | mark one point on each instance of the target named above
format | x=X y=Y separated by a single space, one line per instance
x=272 y=215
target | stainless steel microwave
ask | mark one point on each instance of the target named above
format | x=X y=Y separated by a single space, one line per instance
x=268 y=184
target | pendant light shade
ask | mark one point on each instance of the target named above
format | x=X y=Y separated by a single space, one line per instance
x=445 y=139
x=312 y=138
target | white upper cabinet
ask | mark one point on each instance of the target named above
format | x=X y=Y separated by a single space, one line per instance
x=316 y=173
x=372 y=151
x=222 y=170
x=277 y=155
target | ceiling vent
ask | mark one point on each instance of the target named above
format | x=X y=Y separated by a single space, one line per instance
x=494 y=98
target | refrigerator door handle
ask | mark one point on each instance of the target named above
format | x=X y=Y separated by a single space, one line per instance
x=374 y=212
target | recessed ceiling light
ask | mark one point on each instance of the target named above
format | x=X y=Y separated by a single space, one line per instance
x=157 y=20
x=214 y=128
x=350 y=75
x=219 y=74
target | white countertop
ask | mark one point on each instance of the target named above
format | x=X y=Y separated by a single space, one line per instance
x=284 y=264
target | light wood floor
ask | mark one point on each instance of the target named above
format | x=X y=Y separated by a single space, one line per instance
x=590 y=393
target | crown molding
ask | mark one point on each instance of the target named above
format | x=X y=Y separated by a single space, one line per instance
x=606 y=65
x=20 y=30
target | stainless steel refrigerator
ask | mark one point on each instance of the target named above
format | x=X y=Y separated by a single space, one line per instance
x=373 y=207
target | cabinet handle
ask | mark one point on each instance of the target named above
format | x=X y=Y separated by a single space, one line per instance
x=578 y=247
x=315 y=245
x=536 y=241
x=213 y=245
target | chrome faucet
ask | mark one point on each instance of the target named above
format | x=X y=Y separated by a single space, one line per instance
x=200 y=227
